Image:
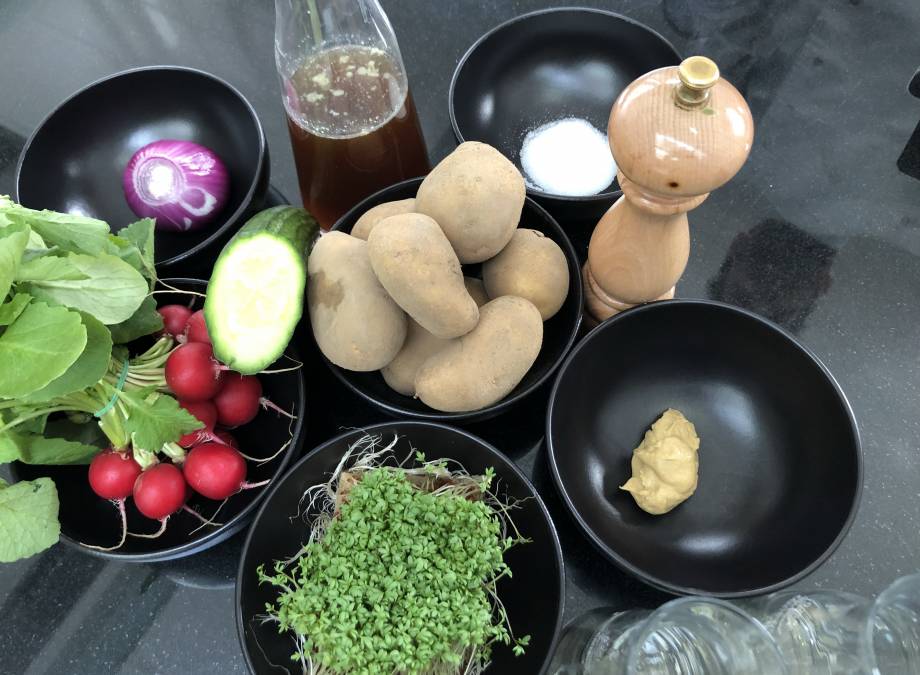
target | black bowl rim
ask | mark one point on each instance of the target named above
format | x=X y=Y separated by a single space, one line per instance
x=230 y=528
x=383 y=427
x=600 y=196
x=575 y=286
x=246 y=202
x=622 y=563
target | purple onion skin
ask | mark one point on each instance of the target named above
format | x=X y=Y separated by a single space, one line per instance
x=183 y=185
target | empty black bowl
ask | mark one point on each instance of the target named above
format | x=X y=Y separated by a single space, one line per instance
x=559 y=332
x=533 y=597
x=780 y=463
x=87 y=518
x=547 y=65
x=74 y=160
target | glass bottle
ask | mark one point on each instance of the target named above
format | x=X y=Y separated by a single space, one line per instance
x=353 y=125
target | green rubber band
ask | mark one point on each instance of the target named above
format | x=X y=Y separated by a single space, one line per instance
x=118 y=387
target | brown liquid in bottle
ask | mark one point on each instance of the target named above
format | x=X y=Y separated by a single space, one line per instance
x=353 y=127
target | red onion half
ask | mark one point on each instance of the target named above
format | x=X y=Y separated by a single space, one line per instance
x=180 y=183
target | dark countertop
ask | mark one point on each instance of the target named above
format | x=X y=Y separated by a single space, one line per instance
x=820 y=232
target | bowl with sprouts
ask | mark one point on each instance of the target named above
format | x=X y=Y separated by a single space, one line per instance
x=406 y=547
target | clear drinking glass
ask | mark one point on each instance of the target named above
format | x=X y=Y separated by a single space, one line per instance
x=588 y=633
x=353 y=125
x=892 y=632
x=687 y=636
x=822 y=632
x=837 y=633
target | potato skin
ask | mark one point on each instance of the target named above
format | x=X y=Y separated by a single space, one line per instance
x=531 y=266
x=477 y=290
x=369 y=219
x=357 y=325
x=416 y=265
x=419 y=346
x=483 y=366
x=476 y=195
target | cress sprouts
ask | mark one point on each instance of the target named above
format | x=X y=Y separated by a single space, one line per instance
x=400 y=568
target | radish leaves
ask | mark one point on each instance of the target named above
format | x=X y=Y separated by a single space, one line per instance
x=38 y=347
x=154 y=419
x=28 y=518
x=34 y=449
x=90 y=367
x=13 y=242
x=64 y=279
x=145 y=321
x=110 y=289
x=134 y=244
x=67 y=231
x=12 y=309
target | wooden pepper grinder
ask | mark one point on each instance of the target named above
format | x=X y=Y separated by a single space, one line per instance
x=676 y=134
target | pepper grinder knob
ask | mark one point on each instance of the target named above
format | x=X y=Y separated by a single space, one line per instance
x=676 y=133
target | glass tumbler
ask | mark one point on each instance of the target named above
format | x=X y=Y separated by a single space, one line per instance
x=892 y=632
x=687 y=636
x=822 y=632
x=837 y=633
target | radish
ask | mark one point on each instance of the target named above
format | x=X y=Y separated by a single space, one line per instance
x=227 y=439
x=192 y=373
x=112 y=474
x=238 y=400
x=160 y=491
x=197 y=329
x=175 y=319
x=216 y=471
x=204 y=412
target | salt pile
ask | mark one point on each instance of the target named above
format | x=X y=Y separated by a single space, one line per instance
x=568 y=157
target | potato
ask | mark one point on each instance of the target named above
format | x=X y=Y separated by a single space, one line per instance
x=531 y=266
x=476 y=290
x=371 y=217
x=483 y=366
x=476 y=195
x=419 y=346
x=357 y=325
x=415 y=263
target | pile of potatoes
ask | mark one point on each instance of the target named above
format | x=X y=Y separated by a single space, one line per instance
x=391 y=296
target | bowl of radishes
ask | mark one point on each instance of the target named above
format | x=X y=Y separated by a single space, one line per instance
x=134 y=505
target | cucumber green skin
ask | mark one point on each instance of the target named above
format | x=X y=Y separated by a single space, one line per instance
x=298 y=229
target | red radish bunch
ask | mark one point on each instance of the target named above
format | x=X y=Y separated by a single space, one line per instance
x=215 y=470
x=175 y=319
x=193 y=373
x=112 y=474
x=159 y=491
x=214 y=466
x=204 y=412
x=196 y=329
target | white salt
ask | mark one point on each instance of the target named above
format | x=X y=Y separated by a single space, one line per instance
x=568 y=157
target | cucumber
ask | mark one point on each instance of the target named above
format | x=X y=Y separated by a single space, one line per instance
x=255 y=295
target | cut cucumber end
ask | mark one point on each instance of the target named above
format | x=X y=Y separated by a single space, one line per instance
x=254 y=301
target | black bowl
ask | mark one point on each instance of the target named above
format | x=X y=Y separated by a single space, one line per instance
x=780 y=461
x=559 y=332
x=74 y=160
x=533 y=597
x=546 y=65
x=86 y=518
